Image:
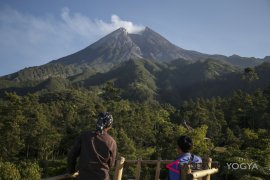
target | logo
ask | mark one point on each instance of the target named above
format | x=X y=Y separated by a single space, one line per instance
x=173 y=166
x=236 y=166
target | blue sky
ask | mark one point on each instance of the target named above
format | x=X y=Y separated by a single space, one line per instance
x=34 y=32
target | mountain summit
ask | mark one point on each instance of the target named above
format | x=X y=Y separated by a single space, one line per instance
x=120 y=46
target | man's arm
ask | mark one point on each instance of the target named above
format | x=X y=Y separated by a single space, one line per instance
x=73 y=154
x=111 y=162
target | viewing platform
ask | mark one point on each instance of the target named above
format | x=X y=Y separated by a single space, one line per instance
x=203 y=171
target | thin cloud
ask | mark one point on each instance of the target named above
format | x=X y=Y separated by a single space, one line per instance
x=27 y=40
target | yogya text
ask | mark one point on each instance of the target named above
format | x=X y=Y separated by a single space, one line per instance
x=236 y=166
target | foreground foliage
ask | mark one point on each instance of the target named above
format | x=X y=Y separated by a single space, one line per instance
x=43 y=126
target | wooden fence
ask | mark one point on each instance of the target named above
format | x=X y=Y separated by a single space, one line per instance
x=187 y=173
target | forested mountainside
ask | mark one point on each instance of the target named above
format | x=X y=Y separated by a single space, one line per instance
x=140 y=80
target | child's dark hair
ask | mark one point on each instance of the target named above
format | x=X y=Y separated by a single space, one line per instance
x=185 y=143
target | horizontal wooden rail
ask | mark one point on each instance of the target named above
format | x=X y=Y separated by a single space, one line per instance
x=205 y=170
x=214 y=163
x=149 y=161
x=203 y=173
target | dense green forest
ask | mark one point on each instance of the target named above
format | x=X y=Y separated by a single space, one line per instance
x=37 y=130
x=152 y=104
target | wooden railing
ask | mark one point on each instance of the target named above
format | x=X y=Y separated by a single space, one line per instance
x=120 y=165
x=186 y=171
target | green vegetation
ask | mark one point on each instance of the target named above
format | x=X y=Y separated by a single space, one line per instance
x=43 y=127
x=152 y=105
x=23 y=171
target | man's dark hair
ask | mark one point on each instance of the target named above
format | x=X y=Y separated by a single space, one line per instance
x=185 y=143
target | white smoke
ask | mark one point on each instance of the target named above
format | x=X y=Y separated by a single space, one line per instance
x=117 y=22
x=87 y=27
x=79 y=24
x=27 y=40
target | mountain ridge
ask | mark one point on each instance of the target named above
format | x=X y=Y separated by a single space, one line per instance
x=120 y=46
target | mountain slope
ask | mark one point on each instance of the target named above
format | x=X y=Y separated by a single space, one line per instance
x=117 y=47
x=44 y=72
x=154 y=46
x=113 y=48
x=182 y=80
x=136 y=78
x=120 y=46
x=244 y=62
x=143 y=79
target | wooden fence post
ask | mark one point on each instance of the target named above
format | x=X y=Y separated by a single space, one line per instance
x=157 y=170
x=138 y=169
x=207 y=165
x=119 y=169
